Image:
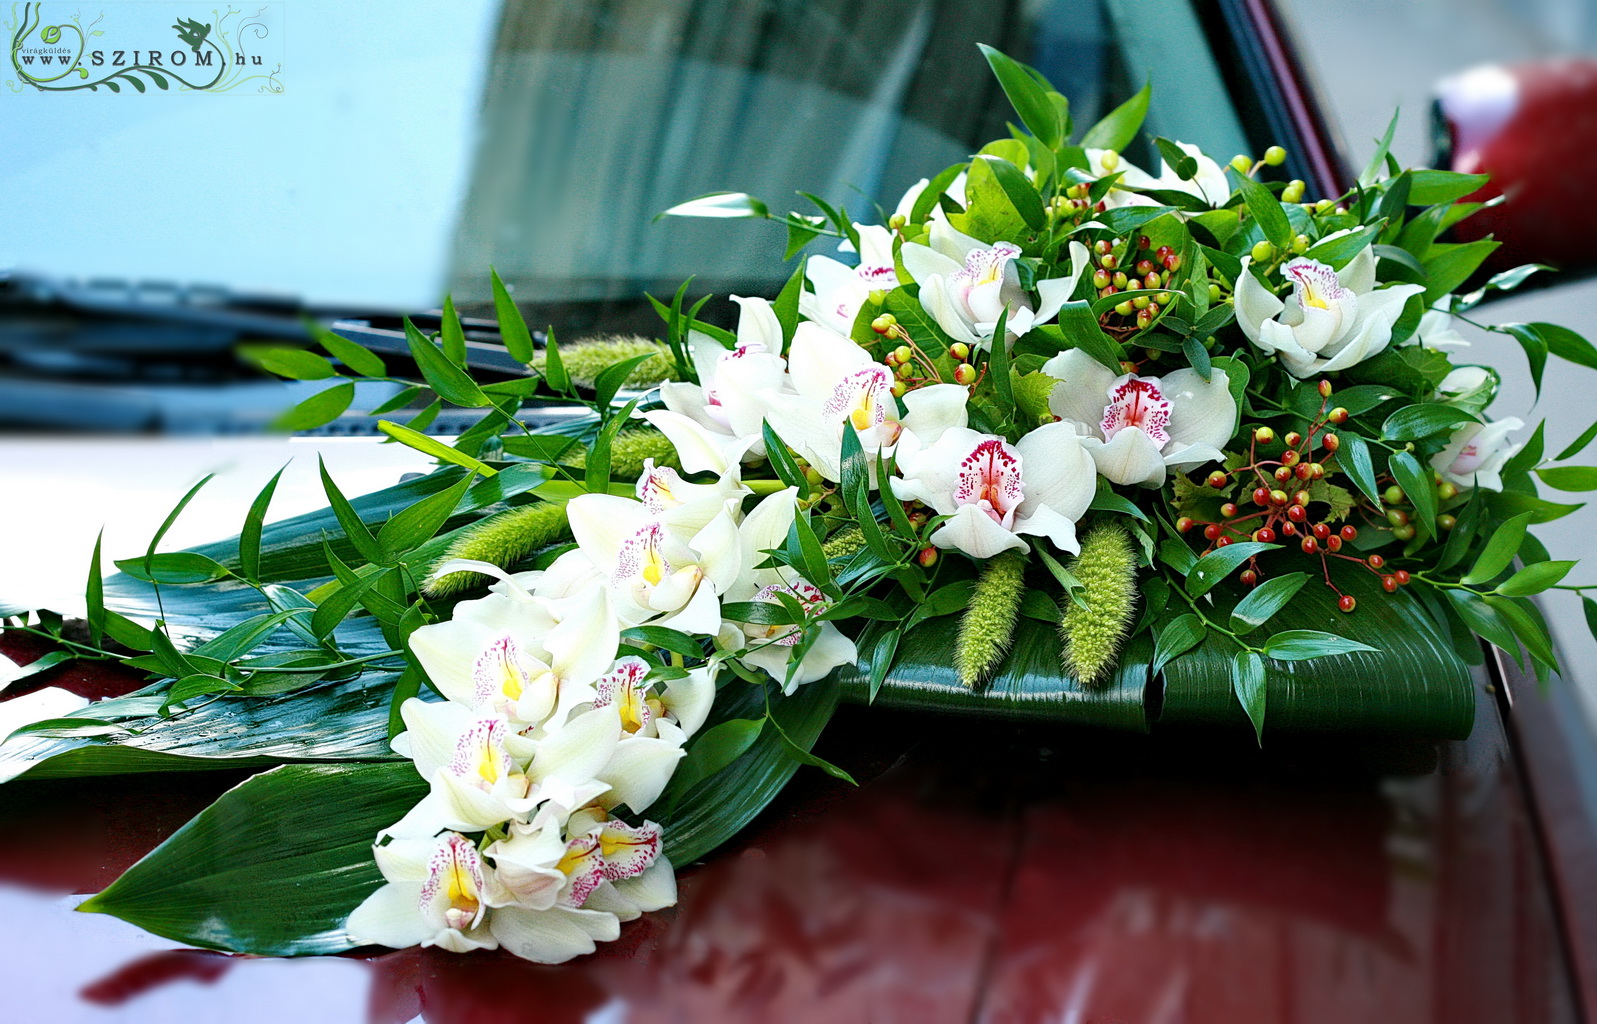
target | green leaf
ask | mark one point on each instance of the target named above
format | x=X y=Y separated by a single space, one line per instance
x=1197 y=355
x=443 y=376
x=1248 y=683
x=452 y=334
x=1372 y=170
x=1185 y=167
x=1304 y=644
x=719 y=205
x=1535 y=345
x=1265 y=600
x=1569 y=478
x=1432 y=187
x=1081 y=330
x=273 y=867
x=357 y=357
x=1567 y=345
x=1500 y=549
x=786 y=305
x=1266 y=209
x=554 y=368
x=1359 y=466
x=1022 y=194
x=782 y=461
x=710 y=751
x=1485 y=621
x=665 y=638
x=177 y=567
x=1534 y=578
x=1416 y=483
x=1452 y=266
x=596 y=474
x=354 y=529
x=94 y=594
x=319 y=409
x=1181 y=635
x=1118 y=128
x=1511 y=503
x=1028 y=94
x=1413 y=422
x=512 y=325
x=1578 y=445
x=293 y=363
x=421 y=521
x=1220 y=563
x=1338 y=251
x=434 y=447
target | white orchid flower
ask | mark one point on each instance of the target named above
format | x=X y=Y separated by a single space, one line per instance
x=833 y=382
x=686 y=508
x=966 y=284
x=716 y=422
x=654 y=729
x=1139 y=426
x=630 y=898
x=955 y=192
x=1476 y=452
x=997 y=492
x=652 y=573
x=840 y=290
x=1331 y=321
x=529 y=658
x=1209 y=183
x=434 y=896
x=482 y=773
x=771 y=646
x=1437 y=329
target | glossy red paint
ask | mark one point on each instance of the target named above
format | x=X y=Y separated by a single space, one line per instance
x=986 y=872
x=1533 y=128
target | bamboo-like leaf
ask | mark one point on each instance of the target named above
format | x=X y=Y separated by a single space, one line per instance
x=274 y=867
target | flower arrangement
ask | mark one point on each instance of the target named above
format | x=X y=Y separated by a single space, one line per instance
x=1066 y=434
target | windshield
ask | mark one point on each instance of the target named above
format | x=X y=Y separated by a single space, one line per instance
x=543 y=138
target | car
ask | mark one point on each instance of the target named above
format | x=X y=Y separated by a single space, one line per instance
x=982 y=870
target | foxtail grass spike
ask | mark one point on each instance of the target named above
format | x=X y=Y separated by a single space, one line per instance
x=501 y=540
x=586 y=359
x=1092 y=631
x=630 y=449
x=843 y=544
x=988 y=625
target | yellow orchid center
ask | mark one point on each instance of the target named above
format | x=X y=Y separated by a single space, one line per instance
x=453 y=889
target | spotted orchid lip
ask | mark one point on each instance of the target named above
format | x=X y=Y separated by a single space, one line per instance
x=989 y=478
x=1138 y=402
x=452 y=891
x=1316 y=284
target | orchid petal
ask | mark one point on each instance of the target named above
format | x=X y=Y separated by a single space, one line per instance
x=1081 y=394
x=390 y=917
x=1255 y=304
x=1058 y=471
x=1130 y=457
x=1204 y=411
x=552 y=936
x=975 y=533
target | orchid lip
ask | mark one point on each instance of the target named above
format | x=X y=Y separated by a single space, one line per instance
x=989 y=478
x=1138 y=402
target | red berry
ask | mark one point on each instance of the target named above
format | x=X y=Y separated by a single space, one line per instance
x=1212 y=532
x=1293 y=439
x=1337 y=415
x=1164 y=251
x=1349 y=532
x=1331 y=442
x=1144 y=268
x=1261 y=496
x=1249 y=577
x=927 y=557
x=1143 y=241
x=1103 y=246
x=1305 y=470
x=1347 y=603
x=1321 y=531
x=1185 y=523
x=1325 y=389
x=1389 y=584
x=1222 y=542
x=1289 y=530
x=1310 y=546
x=1264 y=535
x=1402 y=576
x=1283 y=474
x=1172 y=262
x=1278 y=498
x=1301 y=498
x=1375 y=561
x=1333 y=543
x=1229 y=509
x=1297 y=513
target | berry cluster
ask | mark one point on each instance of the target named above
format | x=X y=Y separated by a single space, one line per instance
x=1283 y=507
x=1150 y=271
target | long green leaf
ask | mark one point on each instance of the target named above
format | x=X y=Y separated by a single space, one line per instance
x=274 y=867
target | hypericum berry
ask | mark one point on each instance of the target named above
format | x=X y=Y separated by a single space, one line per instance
x=1122 y=282
x=1350 y=532
x=1310 y=546
x=1389 y=584
x=1261 y=495
x=1248 y=577
x=884 y=323
x=1164 y=298
x=1229 y=509
x=1100 y=278
x=1292 y=439
x=1109 y=160
x=1264 y=435
x=1397 y=517
x=1172 y=262
x=1402 y=577
x=1338 y=415
x=1289 y=458
x=965 y=374
x=959 y=351
x=1127 y=366
x=905 y=371
x=1403 y=533
x=1104 y=293
x=1152 y=281
x=1213 y=531
x=896 y=222
x=900 y=388
x=1144 y=318
x=1289 y=529
x=1301 y=498
x=1293 y=193
x=1218 y=478
x=1103 y=247
x=1333 y=543
x=1316 y=470
x=1446 y=522
x=1300 y=243
x=1264 y=535
x=927 y=557
x=1447 y=490
x=1223 y=542
x=1331 y=442
x=891 y=359
x=1297 y=513
x=1305 y=471
x=1144 y=268
x=1125 y=308
x=1375 y=561
x=1283 y=474
x=1263 y=251
x=1107 y=261
x=1141 y=301
x=1278 y=498
x=1242 y=163
x=1325 y=389
x=1393 y=495
x=1346 y=603
x=1164 y=253
x=1185 y=523
x=1275 y=156
x=1143 y=241
x=1321 y=530
x=904 y=353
